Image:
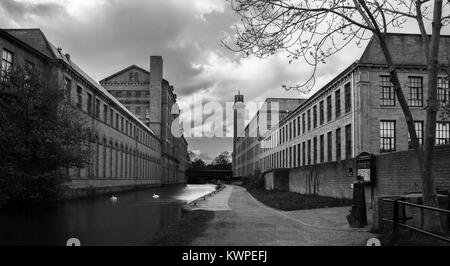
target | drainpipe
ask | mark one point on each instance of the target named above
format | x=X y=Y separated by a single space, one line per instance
x=353 y=114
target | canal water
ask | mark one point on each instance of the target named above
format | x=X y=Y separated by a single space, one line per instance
x=132 y=220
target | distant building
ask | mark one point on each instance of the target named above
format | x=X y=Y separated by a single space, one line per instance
x=357 y=111
x=246 y=140
x=150 y=97
x=126 y=151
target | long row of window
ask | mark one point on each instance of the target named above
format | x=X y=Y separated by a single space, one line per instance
x=130 y=93
x=315 y=116
x=93 y=107
x=415 y=92
x=105 y=113
x=311 y=118
x=388 y=132
x=312 y=151
x=140 y=111
x=117 y=161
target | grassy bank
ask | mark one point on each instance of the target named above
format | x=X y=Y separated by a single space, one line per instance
x=290 y=201
x=182 y=233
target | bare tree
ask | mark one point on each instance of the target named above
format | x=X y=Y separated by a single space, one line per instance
x=315 y=30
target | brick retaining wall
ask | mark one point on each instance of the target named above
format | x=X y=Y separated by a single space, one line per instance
x=327 y=179
x=395 y=174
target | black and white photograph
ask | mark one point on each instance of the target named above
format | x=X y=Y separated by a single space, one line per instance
x=224 y=123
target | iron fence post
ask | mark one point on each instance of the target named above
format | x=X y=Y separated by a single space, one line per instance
x=396 y=221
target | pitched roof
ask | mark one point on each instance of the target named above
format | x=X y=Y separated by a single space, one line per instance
x=34 y=38
x=99 y=87
x=123 y=71
x=406 y=49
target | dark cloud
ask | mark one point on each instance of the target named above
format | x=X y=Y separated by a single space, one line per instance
x=114 y=34
x=189 y=88
x=21 y=10
x=107 y=37
x=104 y=36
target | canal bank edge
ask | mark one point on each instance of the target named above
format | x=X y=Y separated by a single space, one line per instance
x=76 y=193
x=188 y=205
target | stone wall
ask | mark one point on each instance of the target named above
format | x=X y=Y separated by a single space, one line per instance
x=82 y=188
x=277 y=179
x=396 y=174
x=327 y=179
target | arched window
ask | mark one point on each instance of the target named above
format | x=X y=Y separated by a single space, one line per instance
x=121 y=162
x=116 y=162
x=105 y=147
x=126 y=163
x=138 y=166
x=97 y=156
x=146 y=168
x=130 y=163
x=111 y=153
x=143 y=166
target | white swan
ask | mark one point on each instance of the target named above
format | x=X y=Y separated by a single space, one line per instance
x=155 y=196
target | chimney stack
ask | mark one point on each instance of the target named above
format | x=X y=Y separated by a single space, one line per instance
x=156 y=76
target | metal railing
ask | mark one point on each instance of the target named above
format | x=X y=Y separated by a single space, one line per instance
x=398 y=221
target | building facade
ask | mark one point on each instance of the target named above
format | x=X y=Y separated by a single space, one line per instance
x=358 y=111
x=150 y=97
x=246 y=139
x=125 y=151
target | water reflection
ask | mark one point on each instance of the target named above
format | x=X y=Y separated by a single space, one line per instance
x=132 y=220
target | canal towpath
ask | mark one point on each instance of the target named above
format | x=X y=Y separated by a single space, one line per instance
x=239 y=219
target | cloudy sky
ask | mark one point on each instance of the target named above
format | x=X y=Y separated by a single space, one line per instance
x=104 y=36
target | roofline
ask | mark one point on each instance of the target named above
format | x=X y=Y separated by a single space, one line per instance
x=348 y=69
x=56 y=59
x=280 y=111
x=124 y=70
x=47 y=43
x=17 y=29
x=286 y=98
x=110 y=98
x=413 y=34
x=34 y=50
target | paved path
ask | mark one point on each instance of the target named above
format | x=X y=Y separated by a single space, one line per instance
x=249 y=222
x=218 y=202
